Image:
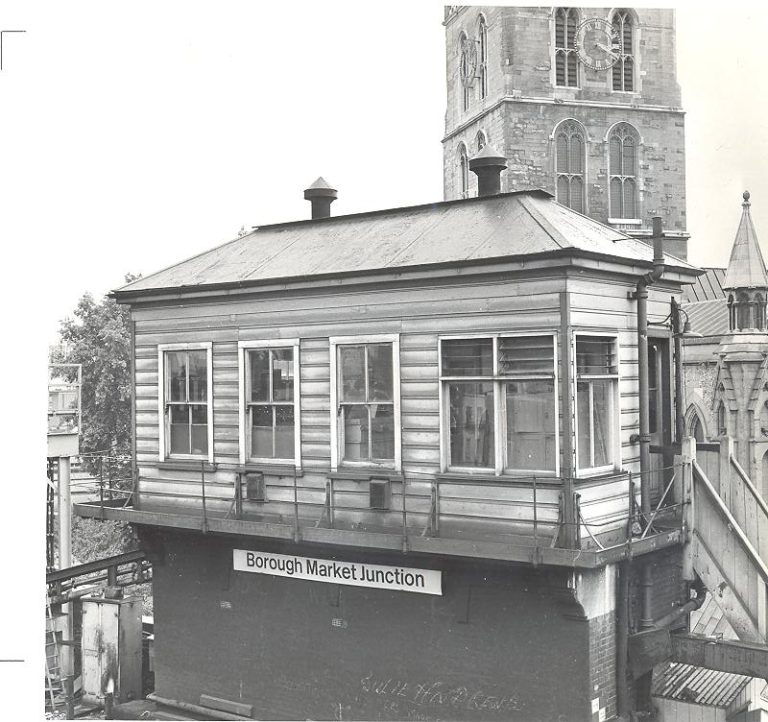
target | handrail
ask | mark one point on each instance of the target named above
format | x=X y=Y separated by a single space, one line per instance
x=725 y=512
x=755 y=493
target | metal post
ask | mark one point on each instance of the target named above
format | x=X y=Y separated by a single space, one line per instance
x=405 y=521
x=65 y=560
x=202 y=479
x=295 y=507
x=535 y=516
x=677 y=336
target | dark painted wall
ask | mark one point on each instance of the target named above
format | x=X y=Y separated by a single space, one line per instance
x=502 y=643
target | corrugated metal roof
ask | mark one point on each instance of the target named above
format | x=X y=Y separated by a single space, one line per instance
x=686 y=683
x=707 y=287
x=509 y=224
x=709 y=318
x=746 y=269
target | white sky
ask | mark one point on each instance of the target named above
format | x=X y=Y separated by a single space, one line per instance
x=135 y=134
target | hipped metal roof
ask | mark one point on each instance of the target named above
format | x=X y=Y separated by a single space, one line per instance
x=452 y=232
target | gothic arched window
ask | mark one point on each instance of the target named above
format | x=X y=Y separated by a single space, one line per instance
x=481 y=140
x=482 y=34
x=722 y=422
x=743 y=312
x=466 y=70
x=463 y=171
x=569 y=165
x=759 y=312
x=697 y=429
x=622 y=162
x=731 y=313
x=624 y=69
x=566 y=59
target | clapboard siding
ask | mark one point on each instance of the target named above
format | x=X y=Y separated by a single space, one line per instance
x=420 y=316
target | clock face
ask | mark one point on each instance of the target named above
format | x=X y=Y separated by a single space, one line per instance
x=598 y=44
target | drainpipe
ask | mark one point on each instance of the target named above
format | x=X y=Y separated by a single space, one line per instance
x=646 y=621
x=642 y=360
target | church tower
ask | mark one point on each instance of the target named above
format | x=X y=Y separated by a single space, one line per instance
x=583 y=102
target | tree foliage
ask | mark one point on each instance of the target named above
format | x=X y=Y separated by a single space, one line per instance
x=98 y=336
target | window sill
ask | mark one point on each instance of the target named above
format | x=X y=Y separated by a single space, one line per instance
x=270 y=469
x=625 y=221
x=459 y=477
x=186 y=465
x=365 y=474
x=598 y=476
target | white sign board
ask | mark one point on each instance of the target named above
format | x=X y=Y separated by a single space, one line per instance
x=355 y=574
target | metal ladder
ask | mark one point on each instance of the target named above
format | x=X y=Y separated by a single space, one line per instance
x=54 y=689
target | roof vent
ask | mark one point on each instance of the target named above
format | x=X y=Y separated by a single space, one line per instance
x=487 y=165
x=320 y=195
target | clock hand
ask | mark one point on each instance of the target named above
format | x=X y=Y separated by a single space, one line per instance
x=608 y=50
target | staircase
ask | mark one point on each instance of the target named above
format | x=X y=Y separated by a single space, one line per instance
x=729 y=539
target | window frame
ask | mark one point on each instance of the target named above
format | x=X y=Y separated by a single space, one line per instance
x=628 y=54
x=616 y=464
x=162 y=422
x=337 y=431
x=623 y=131
x=243 y=348
x=500 y=410
x=570 y=128
x=568 y=54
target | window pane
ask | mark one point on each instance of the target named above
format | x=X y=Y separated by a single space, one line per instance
x=531 y=425
x=179 y=429
x=577 y=194
x=382 y=431
x=629 y=199
x=562 y=191
x=616 y=194
x=261 y=432
x=628 y=74
x=282 y=374
x=471 y=425
x=468 y=357
x=352 y=364
x=562 y=153
x=380 y=372
x=355 y=432
x=595 y=355
x=198 y=375
x=176 y=368
x=629 y=156
x=583 y=420
x=577 y=155
x=526 y=355
x=615 y=155
x=602 y=400
x=259 y=361
x=284 y=432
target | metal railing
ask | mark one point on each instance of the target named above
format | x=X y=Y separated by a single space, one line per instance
x=527 y=511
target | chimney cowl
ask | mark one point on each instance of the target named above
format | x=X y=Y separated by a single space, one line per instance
x=488 y=165
x=321 y=194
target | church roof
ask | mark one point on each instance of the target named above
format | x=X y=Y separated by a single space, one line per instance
x=707 y=287
x=506 y=225
x=746 y=269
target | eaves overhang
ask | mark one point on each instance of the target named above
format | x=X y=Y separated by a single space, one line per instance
x=516 y=264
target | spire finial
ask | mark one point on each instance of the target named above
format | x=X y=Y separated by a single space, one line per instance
x=745 y=196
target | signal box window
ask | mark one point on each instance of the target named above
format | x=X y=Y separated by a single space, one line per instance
x=500 y=403
x=271 y=421
x=186 y=401
x=366 y=399
x=597 y=375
